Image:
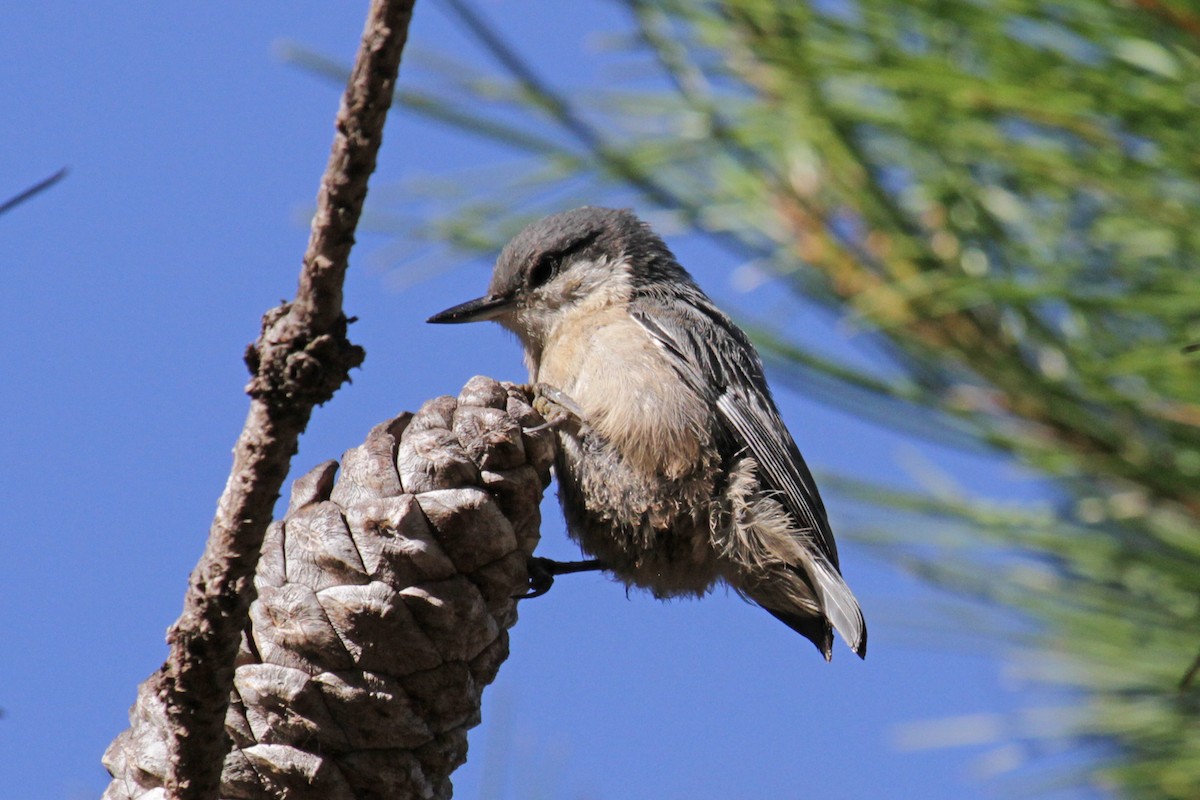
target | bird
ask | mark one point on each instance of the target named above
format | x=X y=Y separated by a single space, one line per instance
x=675 y=470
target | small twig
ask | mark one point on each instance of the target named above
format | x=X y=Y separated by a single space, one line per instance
x=37 y=188
x=298 y=362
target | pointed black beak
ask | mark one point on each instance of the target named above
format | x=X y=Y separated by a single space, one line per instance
x=480 y=308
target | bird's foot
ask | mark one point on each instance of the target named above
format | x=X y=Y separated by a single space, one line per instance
x=542 y=572
x=557 y=408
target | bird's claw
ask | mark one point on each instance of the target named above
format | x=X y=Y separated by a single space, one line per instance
x=542 y=572
x=556 y=407
x=540 y=578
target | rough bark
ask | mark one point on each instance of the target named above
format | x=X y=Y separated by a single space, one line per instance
x=298 y=362
x=384 y=599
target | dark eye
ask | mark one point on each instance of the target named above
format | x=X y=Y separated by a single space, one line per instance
x=546 y=268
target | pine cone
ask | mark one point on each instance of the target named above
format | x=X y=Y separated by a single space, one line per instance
x=384 y=602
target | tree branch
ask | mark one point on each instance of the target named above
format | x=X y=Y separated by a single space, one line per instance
x=298 y=362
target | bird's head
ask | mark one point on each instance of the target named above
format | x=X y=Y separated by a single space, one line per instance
x=587 y=258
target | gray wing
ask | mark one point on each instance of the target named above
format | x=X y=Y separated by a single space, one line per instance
x=718 y=360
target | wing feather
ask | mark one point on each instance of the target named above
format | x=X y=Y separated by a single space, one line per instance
x=718 y=360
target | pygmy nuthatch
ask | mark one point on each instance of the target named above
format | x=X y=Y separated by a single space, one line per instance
x=675 y=470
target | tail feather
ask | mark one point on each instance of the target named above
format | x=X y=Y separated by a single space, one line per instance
x=814 y=603
x=812 y=627
x=785 y=570
x=839 y=606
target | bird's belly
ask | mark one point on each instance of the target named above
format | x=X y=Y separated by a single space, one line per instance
x=637 y=478
x=656 y=534
x=631 y=397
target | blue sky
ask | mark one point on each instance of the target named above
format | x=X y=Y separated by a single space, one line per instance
x=131 y=290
